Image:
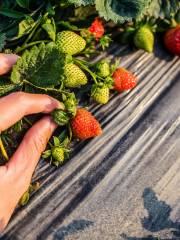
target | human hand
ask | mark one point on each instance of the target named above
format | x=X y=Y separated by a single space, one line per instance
x=17 y=173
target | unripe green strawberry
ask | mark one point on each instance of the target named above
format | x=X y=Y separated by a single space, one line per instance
x=58 y=155
x=100 y=93
x=103 y=69
x=70 y=43
x=144 y=39
x=74 y=76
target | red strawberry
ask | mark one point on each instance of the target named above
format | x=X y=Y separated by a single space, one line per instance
x=84 y=125
x=124 y=80
x=97 y=28
x=172 y=40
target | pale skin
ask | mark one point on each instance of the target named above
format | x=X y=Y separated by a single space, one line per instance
x=16 y=174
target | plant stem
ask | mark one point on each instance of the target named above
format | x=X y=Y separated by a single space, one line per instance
x=33 y=31
x=40 y=88
x=90 y=52
x=45 y=89
x=86 y=63
x=79 y=62
x=70 y=132
x=30 y=45
x=3 y=150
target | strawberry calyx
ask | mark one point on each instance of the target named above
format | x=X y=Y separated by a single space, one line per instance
x=70 y=103
x=60 y=117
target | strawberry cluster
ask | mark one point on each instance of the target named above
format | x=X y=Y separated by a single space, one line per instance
x=101 y=77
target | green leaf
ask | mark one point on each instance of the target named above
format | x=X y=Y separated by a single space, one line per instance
x=50 y=28
x=169 y=8
x=7 y=88
x=42 y=66
x=11 y=13
x=105 y=41
x=65 y=143
x=55 y=163
x=25 y=26
x=83 y=12
x=56 y=141
x=50 y=9
x=23 y=3
x=163 y=9
x=80 y=2
x=8 y=3
x=121 y=11
x=46 y=154
x=154 y=9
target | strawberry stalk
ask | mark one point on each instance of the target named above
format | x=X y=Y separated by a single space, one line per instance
x=70 y=132
x=20 y=49
x=85 y=64
x=3 y=150
x=45 y=89
x=90 y=52
x=84 y=67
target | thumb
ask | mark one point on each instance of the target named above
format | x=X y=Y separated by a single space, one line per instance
x=25 y=159
x=6 y=62
x=17 y=173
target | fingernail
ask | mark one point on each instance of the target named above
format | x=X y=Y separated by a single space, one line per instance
x=12 y=58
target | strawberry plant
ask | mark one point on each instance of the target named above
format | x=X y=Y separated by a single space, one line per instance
x=54 y=41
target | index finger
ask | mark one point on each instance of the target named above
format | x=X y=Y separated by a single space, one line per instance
x=17 y=105
x=6 y=62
